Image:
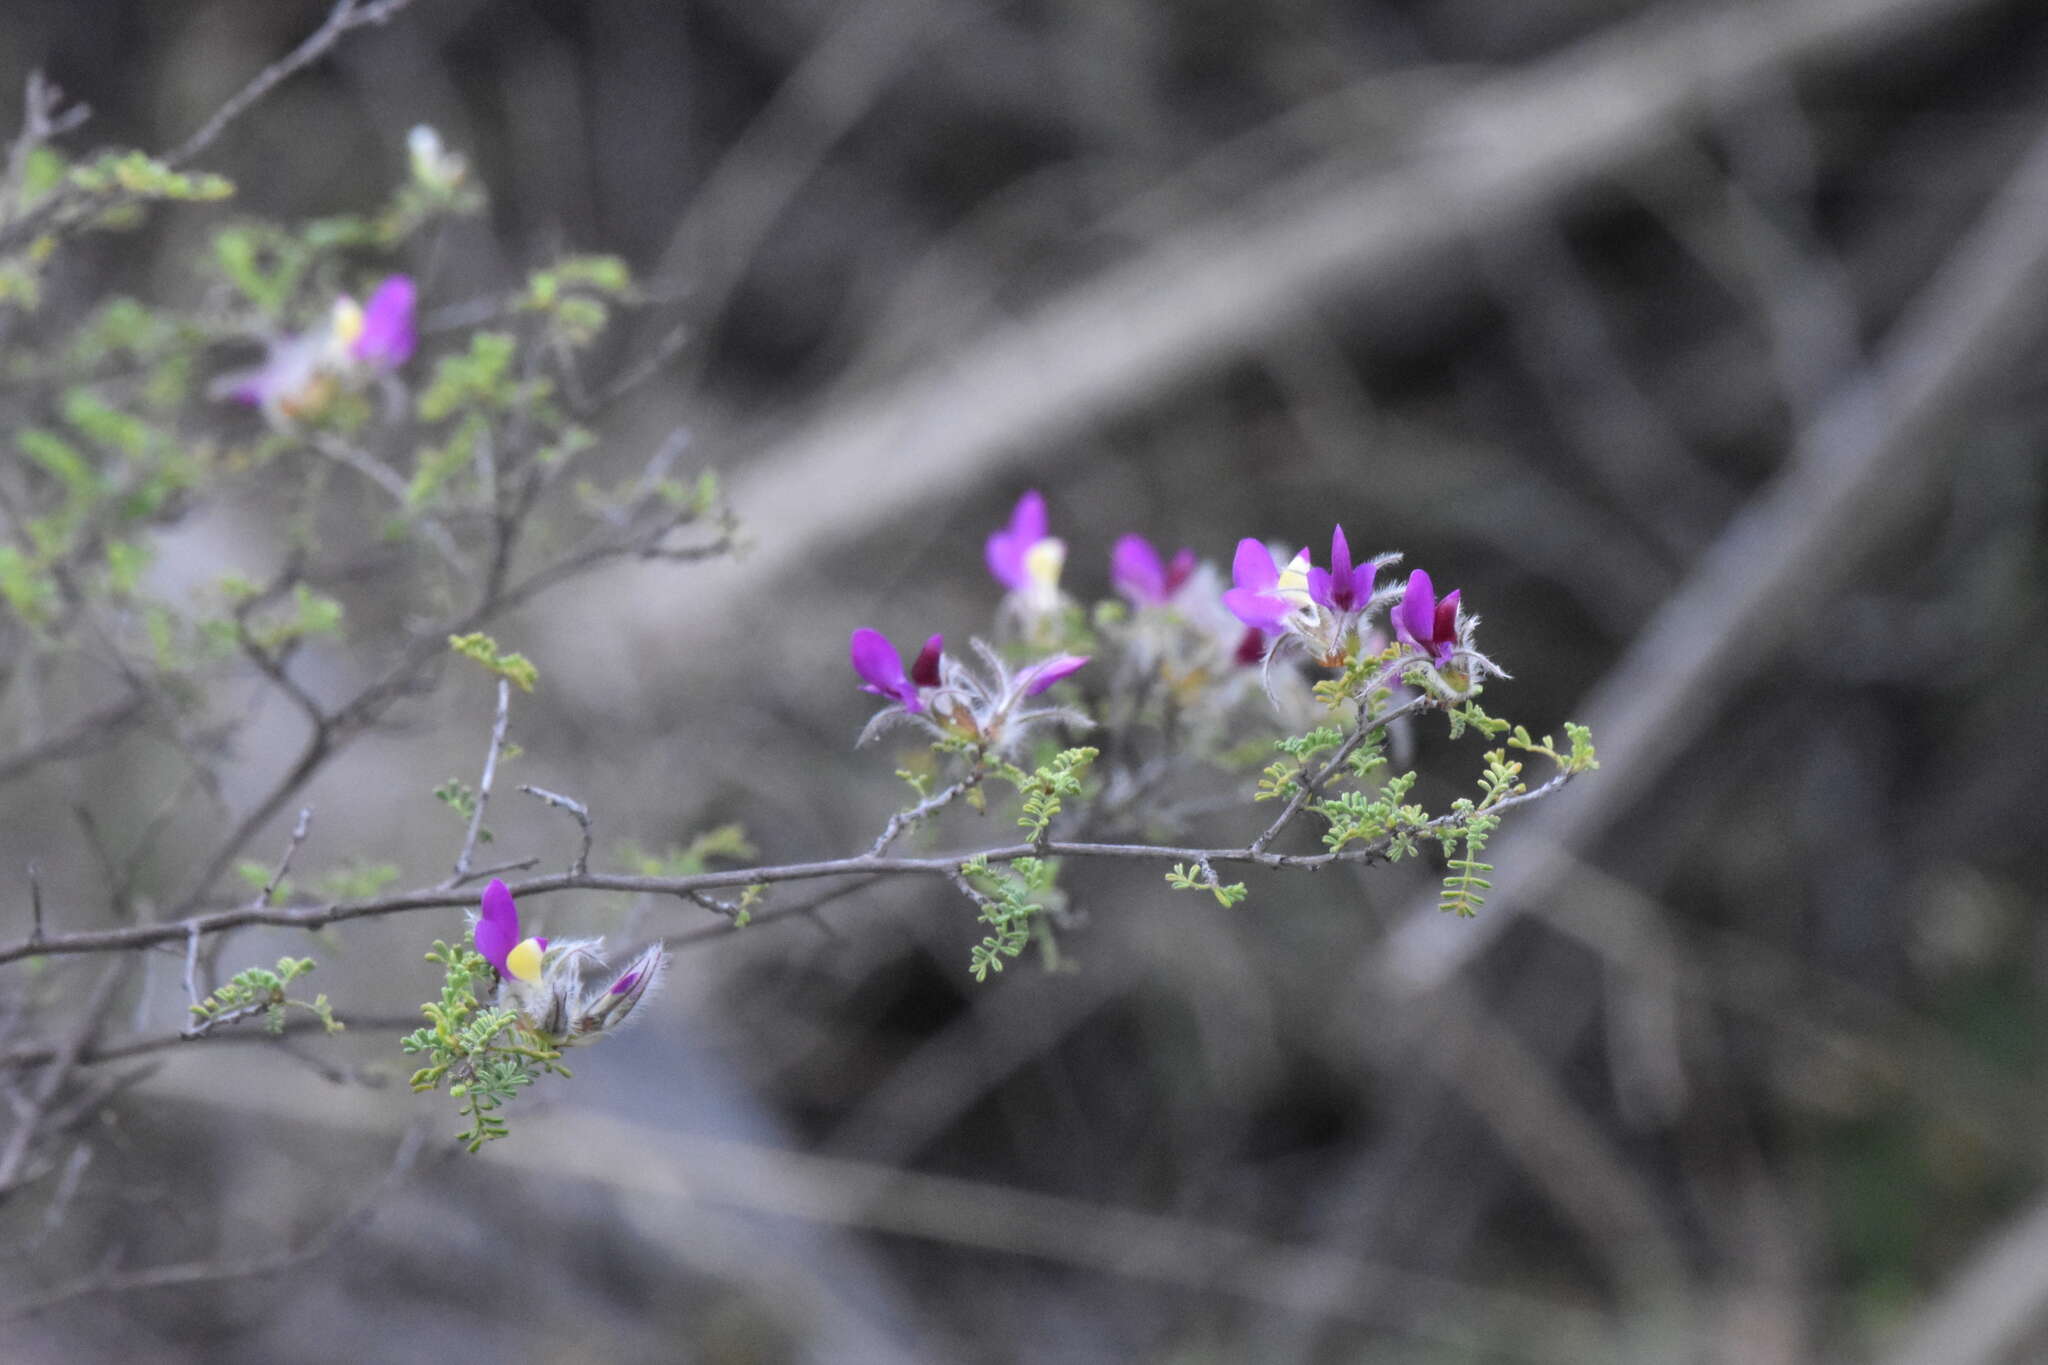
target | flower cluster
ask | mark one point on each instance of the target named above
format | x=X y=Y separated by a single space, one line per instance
x=950 y=700
x=1326 y=612
x=1182 y=623
x=542 y=981
x=355 y=345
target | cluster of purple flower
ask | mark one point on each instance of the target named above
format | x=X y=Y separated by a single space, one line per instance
x=544 y=983
x=1323 y=611
x=355 y=344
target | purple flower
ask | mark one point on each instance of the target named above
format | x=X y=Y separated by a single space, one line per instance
x=1046 y=672
x=611 y=1006
x=384 y=334
x=497 y=937
x=881 y=669
x=1264 y=596
x=1425 y=623
x=1338 y=587
x=1251 y=647
x=1139 y=574
x=1022 y=556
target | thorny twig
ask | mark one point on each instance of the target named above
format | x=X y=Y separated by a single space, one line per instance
x=1307 y=789
x=483 y=786
x=904 y=820
x=581 y=812
x=70 y=203
x=859 y=865
x=43 y=120
x=346 y=15
x=284 y=864
x=29 y=1119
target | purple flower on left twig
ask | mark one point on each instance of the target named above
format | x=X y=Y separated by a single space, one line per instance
x=543 y=982
x=881 y=669
x=951 y=701
x=353 y=346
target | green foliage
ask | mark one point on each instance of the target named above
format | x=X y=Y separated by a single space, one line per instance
x=1578 y=756
x=30 y=589
x=1204 y=878
x=306 y=613
x=258 y=876
x=1044 y=788
x=1465 y=883
x=266 y=264
x=260 y=990
x=481 y=648
x=572 y=294
x=1354 y=683
x=480 y=378
x=355 y=881
x=694 y=858
x=460 y=797
x=1010 y=899
x=1282 y=779
x=483 y=1055
x=1469 y=713
x=1375 y=817
x=140 y=176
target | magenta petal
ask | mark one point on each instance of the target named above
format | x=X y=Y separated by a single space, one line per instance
x=497 y=928
x=1259 y=610
x=876 y=660
x=1415 y=617
x=625 y=983
x=1046 y=672
x=1028 y=522
x=1008 y=547
x=1340 y=556
x=387 y=339
x=1252 y=568
x=881 y=671
x=1179 y=571
x=1135 y=569
x=1445 y=627
x=924 y=670
x=1320 y=588
x=1005 y=560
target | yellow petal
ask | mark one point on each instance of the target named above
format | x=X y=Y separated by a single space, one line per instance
x=1044 y=560
x=348 y=322
x=1293 y=584
x=523 y=962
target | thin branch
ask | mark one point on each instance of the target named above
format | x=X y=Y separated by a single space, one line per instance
x=483 y=786
x=860 y=865
x=70 y=204
x=284 y=864
x=346 y=15
x=94 y=731
x=27 y=1055
x=1309 y=790
x=192 y=995
x=388 y=479
x=14 y=1156
x=581 y=863
x=904 y=820
x=35 y=902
